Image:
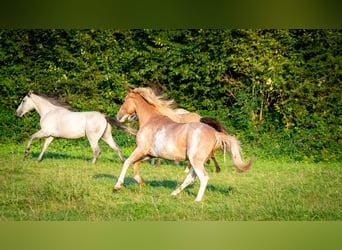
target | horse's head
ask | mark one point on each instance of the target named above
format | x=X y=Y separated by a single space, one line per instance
x=128 y=109
x=26 y=105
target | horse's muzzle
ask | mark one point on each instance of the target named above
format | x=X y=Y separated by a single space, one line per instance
x=19 y=114
x=120 y=117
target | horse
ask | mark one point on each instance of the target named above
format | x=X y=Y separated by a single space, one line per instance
x=160 y=136
x=57 y=120
x=185 y=116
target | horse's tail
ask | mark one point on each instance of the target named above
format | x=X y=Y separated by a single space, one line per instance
x=231 y=144
x=112 y=121
x=214 y=123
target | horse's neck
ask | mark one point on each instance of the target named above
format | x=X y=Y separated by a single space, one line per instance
x=43 y=106
x=145 y=111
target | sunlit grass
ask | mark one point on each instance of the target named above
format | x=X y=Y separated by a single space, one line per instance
x=66 y=186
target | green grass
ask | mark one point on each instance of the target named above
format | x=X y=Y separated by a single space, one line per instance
x=66 y=186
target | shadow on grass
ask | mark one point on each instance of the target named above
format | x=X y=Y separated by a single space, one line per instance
x=170 y=184
x=131 y=181
x=210 y=188
x=51 y=155
x=128 y=180
x=227 y=190
x=108 y=176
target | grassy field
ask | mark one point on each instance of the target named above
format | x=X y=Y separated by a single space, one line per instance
x=66 y=186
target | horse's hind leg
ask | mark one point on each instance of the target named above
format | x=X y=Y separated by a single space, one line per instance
x=190 y=178
x=107 y=137
x=94 y=144
x=218 y=169
x=203 y=177
x=187 y=168
x=47 y=142
x=197 y=170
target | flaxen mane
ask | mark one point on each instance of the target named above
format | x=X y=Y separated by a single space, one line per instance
x=53 y=99
x=164 y=106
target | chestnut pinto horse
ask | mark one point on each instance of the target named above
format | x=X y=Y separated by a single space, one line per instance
x=160 y=136
x=185 y=116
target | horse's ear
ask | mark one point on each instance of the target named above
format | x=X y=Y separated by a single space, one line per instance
x=129 y=90
x=30 y=93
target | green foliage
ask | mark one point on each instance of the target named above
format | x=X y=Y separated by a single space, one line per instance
x=271 y=87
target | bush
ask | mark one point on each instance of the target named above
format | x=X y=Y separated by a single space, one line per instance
x=271 y=87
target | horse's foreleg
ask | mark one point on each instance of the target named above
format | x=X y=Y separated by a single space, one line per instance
x=188 y=180
x=47 y=142
x=135 y=156
x=136 y=173
x=38 y=134
x=122 y=175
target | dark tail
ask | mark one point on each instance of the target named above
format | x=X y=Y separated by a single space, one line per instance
x=120 y=125
x=214 y=123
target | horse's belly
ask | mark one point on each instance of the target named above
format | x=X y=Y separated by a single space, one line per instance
x=70 y=132
x=70 y=127
x=168 y=147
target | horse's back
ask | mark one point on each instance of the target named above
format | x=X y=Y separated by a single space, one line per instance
x=189 y=117
x=93 y=115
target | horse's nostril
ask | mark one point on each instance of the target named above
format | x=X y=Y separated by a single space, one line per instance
x=132 y=117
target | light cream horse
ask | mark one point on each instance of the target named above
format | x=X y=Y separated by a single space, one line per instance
x=159 y=136
x=56 y=120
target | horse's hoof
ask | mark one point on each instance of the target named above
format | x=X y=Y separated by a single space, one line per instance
x=116 y=188
x=139 y=180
